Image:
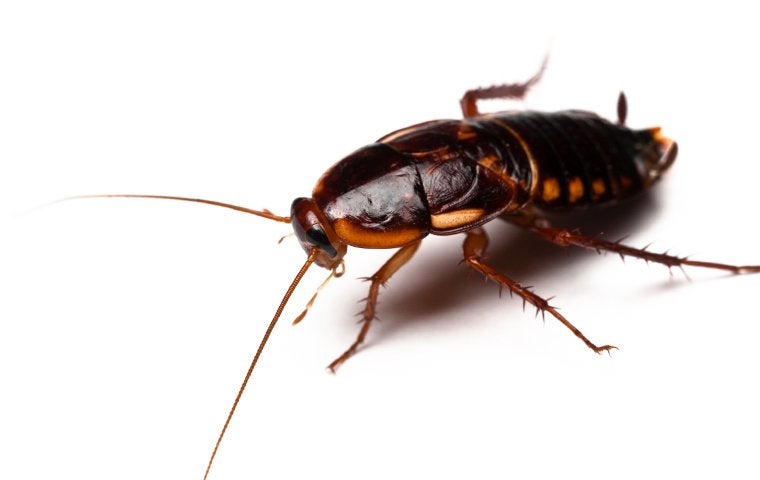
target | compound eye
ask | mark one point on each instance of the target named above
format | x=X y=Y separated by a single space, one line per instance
x=313 y=231
x=317 y=237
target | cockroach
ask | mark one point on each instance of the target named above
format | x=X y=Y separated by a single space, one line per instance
x=444 y=177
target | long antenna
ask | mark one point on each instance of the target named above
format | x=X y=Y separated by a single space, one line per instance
x=261 y=213
x=299 y=275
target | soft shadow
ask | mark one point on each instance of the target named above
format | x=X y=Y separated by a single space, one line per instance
x=433 y=284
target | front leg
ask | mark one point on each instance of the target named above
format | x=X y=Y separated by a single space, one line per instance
x=474 y=248
x=379 y=278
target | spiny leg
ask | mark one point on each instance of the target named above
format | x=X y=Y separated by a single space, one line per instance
x=474 y=247
x=564 y=237
x=512 y=90
x=385 y=272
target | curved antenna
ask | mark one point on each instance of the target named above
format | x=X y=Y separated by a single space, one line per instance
x=261 y=213
x=291 y=288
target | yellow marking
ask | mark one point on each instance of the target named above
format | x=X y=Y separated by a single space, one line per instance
x=466 y=133
x=662 y=141
x=456 y=218
x=359 y=236
x=551 y=190
x=439 y=151
x=524 y=145
x=575 y=189
x=656 y=133
x=598 y=187
x=488 y=161
x=665 y=146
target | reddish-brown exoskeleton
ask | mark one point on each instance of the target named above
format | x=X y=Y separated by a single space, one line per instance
x=452 y=176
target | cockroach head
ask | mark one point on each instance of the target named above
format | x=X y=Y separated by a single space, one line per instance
x=314 y=232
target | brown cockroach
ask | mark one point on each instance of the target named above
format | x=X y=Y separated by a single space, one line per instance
x=452 y=176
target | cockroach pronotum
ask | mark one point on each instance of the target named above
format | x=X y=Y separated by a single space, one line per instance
x=452 y=176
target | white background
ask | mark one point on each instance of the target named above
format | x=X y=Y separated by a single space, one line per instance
x=127 y=325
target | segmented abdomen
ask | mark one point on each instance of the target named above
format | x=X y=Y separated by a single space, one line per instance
x=576 y=157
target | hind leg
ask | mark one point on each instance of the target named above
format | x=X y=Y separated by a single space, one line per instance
x=513 y=90
x=565 y=237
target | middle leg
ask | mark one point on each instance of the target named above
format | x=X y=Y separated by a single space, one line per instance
x=474 y=248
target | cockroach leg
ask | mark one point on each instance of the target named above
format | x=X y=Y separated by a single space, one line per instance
x=564 y=237
x=385 y=272
x=512 y=90
x=474 y=248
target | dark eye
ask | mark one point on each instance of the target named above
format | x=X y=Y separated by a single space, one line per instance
x=319 y=239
